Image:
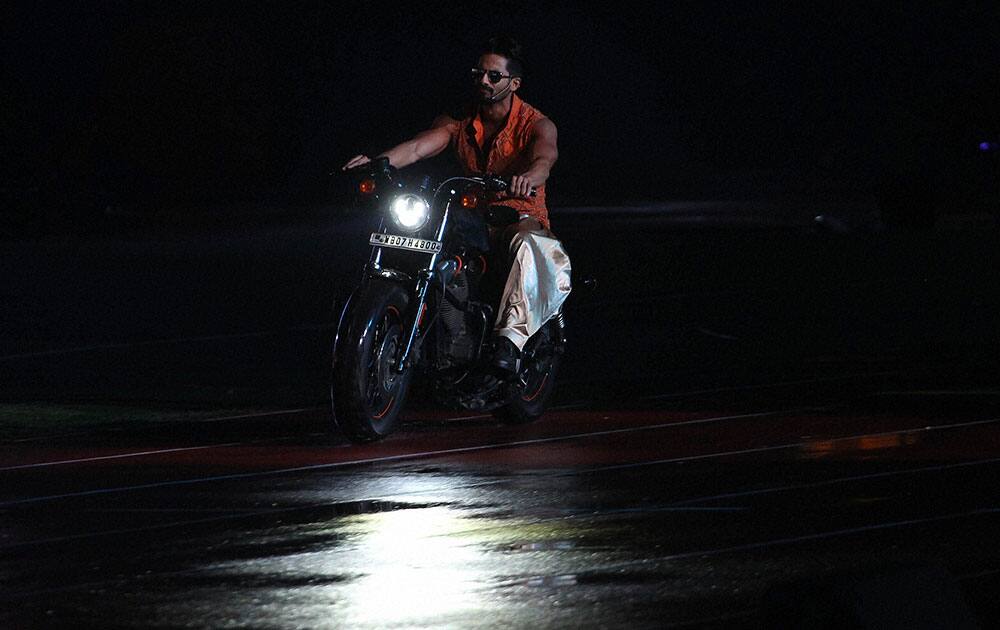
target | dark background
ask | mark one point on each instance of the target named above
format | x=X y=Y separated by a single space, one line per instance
x=155 y=105
x=146 y=115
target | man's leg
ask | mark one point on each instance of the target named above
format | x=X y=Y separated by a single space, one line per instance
x=538 y=282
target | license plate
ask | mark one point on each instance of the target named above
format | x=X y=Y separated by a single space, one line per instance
x=405 y=242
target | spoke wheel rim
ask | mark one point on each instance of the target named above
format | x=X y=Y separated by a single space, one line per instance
x=382 y=380
x=536 y=364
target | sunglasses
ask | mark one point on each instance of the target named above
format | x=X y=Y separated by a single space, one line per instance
x=493 y=75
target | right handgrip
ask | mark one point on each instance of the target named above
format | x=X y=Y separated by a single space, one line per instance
x=496 y=183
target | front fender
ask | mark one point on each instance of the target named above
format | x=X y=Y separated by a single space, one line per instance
x=343 y=320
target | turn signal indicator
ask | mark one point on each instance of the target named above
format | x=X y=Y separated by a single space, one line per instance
x=470 y=200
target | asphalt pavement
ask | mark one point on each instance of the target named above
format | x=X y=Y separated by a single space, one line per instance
x=767 y=425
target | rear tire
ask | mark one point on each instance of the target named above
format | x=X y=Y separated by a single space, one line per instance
x=368 y=394
x=540 y=362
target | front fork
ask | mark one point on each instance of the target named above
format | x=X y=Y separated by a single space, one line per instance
x=424 y=278
x=420 y=305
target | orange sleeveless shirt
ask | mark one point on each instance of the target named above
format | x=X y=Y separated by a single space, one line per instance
x=509 y=154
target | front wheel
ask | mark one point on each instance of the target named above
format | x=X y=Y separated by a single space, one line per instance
x=368 y=393
x=536 y=377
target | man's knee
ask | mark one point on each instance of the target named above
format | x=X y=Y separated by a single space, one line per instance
x=516 y=233
x=524 y=225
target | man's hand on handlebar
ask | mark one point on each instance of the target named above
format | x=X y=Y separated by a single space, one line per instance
x=520 y=188
x=356 y=161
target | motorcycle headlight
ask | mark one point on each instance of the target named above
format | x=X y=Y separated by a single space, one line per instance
x=410 y=212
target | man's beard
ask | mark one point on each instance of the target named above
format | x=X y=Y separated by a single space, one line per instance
x=487 y=96
x=484 y=95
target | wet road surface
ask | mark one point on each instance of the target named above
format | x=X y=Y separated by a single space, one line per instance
x=693 y=510
x=750 y=424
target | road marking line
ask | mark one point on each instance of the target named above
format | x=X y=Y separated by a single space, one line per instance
x=468 y=449
x=393 y=496
x=832 y=534
x=681 y=504
x=777 y=542
x=167 y=450
x=121 y=456
x=830 y=482
x=764 y=449
x=389 y=458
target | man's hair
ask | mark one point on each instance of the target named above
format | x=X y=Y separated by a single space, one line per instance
x=508 y=47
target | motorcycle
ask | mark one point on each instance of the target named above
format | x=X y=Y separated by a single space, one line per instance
x=424 y=309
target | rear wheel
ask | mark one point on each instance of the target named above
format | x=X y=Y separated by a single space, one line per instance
x=540 y=361
x=368 y=392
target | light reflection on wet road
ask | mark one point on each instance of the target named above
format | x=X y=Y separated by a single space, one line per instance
x=754 y=409
x=668 y=513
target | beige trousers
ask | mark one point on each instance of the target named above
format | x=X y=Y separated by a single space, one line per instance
x=537 y=285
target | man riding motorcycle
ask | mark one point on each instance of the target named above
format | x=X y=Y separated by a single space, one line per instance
x=505 y=136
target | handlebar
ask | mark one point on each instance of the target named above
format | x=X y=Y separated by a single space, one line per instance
x=496 y=183
x=377 y=167
x=380 y=169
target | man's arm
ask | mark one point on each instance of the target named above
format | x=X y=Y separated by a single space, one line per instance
x=544 y=154
x=444 y=120
x=424 y=145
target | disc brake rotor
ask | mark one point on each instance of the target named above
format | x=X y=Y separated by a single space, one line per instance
x=386 y=359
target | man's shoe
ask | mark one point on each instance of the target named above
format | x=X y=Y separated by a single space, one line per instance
x=505 y=355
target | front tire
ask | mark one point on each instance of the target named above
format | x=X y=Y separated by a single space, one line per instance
x=368 y=394
x=540 y=362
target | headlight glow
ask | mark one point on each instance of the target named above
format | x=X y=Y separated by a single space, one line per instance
x=410 y=212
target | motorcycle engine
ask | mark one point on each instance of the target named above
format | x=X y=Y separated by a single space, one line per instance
x=458 y=344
